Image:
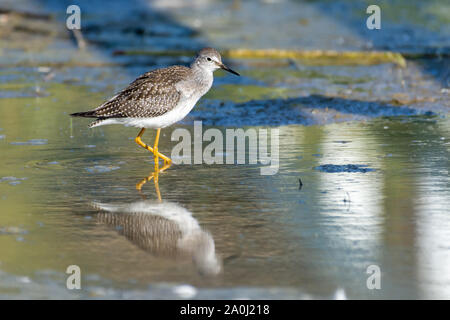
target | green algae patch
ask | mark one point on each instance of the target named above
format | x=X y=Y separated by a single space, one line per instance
x=309 y=57
x=323 y=57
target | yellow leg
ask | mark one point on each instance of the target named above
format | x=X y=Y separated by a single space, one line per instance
x=156 y=153
x=166 y=159
x=139 y=141
x=155 y=150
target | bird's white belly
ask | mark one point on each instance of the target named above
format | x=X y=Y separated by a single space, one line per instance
x=167 y=119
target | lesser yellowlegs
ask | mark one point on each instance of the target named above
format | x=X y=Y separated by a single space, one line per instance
x=159 y=98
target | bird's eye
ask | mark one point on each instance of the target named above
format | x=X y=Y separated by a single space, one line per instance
x=209 y=59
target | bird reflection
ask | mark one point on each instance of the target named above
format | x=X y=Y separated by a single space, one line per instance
x=164 y=229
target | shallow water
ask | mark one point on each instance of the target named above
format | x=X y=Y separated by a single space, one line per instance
x=74 y=205
x=363 y=177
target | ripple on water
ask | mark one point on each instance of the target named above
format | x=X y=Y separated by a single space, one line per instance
x=12 y=180
x=333 y=168
x=12 y=230
x=101 y=169
x=32 y=142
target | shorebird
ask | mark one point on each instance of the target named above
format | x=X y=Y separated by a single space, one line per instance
x=159 y=98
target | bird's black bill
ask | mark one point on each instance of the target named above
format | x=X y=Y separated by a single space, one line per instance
x=224 y=67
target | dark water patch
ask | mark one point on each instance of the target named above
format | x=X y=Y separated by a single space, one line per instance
x=310 y=110
x=333 y=168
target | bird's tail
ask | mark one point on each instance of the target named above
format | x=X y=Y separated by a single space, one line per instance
x=87 y=114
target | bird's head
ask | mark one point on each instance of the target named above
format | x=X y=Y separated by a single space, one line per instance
x=210 y=59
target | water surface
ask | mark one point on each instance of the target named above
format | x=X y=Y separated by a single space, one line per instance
x=73 y=201
x=363 y=177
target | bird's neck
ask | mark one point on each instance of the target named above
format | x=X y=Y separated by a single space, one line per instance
x=202 y=76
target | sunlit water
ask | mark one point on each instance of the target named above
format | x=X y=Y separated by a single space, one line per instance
x=72 y=200
x=348 y=195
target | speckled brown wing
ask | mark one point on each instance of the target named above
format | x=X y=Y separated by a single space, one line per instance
x=151 y=95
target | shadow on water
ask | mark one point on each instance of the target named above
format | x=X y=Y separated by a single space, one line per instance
x=313 y=109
